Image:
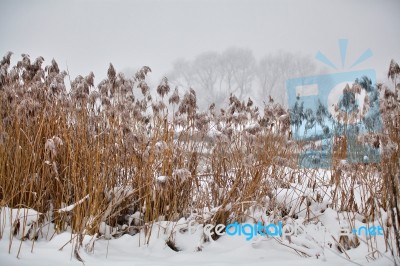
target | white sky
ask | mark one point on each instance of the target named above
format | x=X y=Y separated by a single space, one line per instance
x=88 y=35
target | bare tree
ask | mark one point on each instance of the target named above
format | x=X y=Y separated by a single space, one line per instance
x=238 y=68
x=206 y=72
x=182 y=73
x=393 y=74
x=216 y=76
x=274 y=69
x=235 y=71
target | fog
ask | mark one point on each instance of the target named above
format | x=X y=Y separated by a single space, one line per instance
x=86 y=36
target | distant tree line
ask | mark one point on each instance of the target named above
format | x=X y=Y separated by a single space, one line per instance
x=236 y=71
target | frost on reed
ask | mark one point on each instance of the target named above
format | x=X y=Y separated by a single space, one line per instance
x=118 y=156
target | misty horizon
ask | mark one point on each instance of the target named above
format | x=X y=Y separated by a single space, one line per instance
x=84 y=36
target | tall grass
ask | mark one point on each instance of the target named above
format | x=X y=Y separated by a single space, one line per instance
x=96 y=155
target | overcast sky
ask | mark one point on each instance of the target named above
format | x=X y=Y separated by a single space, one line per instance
x=88 y=35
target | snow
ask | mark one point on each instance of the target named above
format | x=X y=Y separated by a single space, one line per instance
x=132 y=250
x=72 y=206
x=135 y=218
x=317 y=244
x=162 y=178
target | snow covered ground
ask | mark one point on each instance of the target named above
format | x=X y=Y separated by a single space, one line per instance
x=227 y=250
